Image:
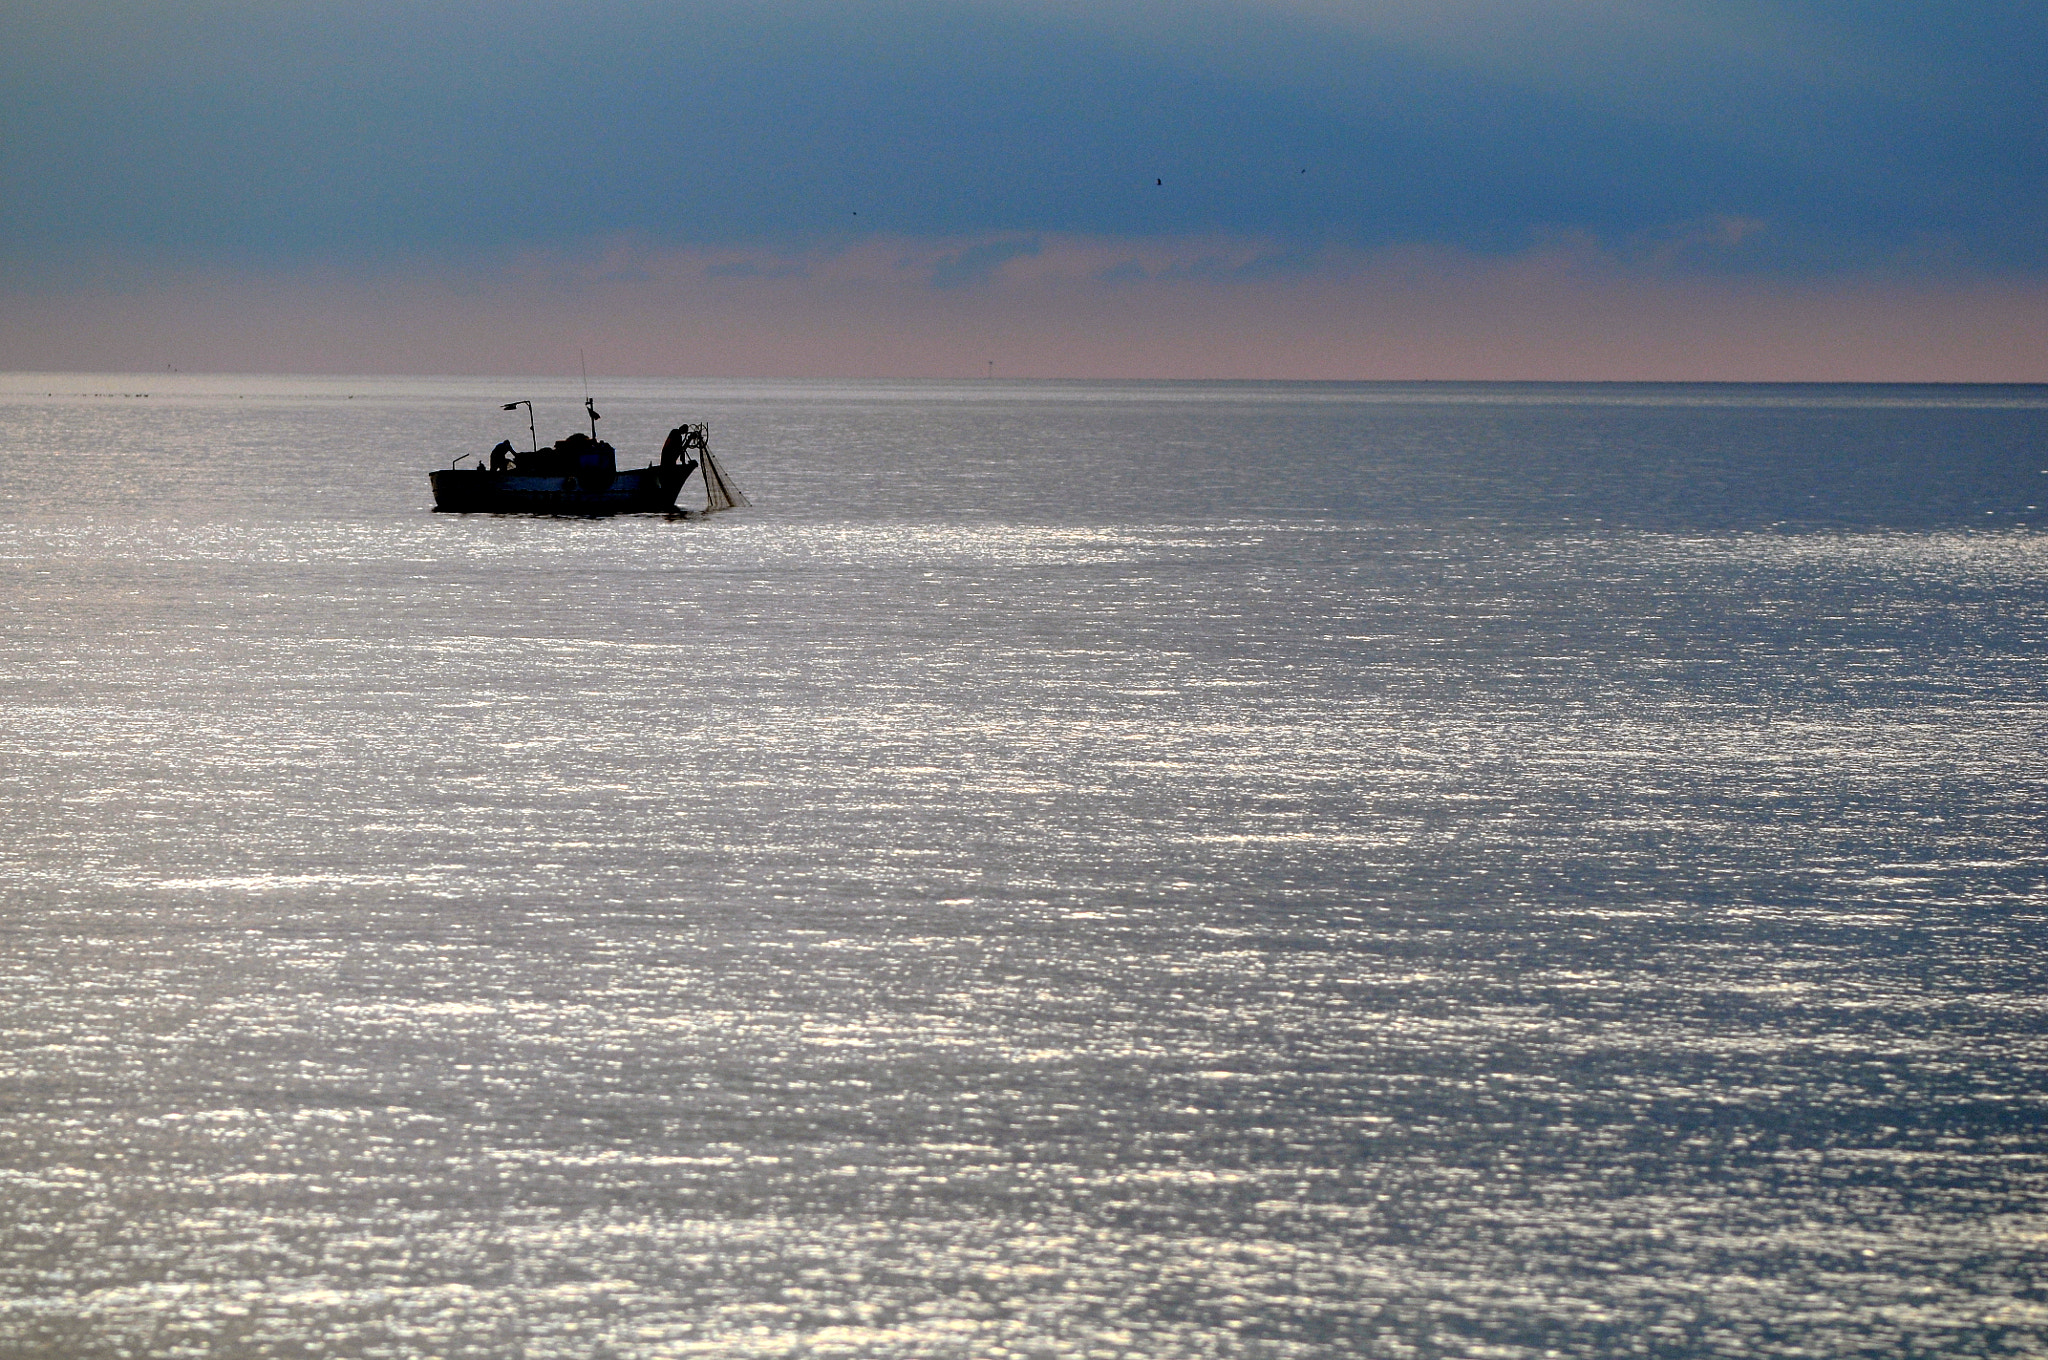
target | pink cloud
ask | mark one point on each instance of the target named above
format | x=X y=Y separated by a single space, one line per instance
x=1053 y=307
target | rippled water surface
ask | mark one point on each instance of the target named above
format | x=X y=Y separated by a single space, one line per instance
x=1076 y=871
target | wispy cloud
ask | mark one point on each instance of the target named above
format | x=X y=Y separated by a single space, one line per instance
x=754 y=269
x=979 y=263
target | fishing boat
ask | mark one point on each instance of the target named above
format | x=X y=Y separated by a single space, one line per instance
x=580 y=475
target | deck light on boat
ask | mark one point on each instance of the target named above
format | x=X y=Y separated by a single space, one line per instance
x=515 y=405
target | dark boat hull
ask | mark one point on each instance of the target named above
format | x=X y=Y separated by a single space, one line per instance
x=631 y=492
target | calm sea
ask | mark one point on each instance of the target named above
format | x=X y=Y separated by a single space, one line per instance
x=1122 y=872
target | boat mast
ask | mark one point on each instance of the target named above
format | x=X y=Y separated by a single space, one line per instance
x=588 y=405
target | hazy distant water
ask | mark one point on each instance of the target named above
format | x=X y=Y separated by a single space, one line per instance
x=1093 y=871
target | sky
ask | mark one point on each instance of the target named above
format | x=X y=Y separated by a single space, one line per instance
x=1034 y=188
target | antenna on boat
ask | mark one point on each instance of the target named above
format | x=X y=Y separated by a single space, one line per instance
x=515 y=405
x=588 y=405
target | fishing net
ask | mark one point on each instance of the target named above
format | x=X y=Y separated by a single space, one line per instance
x=720 y=492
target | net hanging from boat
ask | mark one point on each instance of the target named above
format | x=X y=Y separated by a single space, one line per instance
x=720 y=492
